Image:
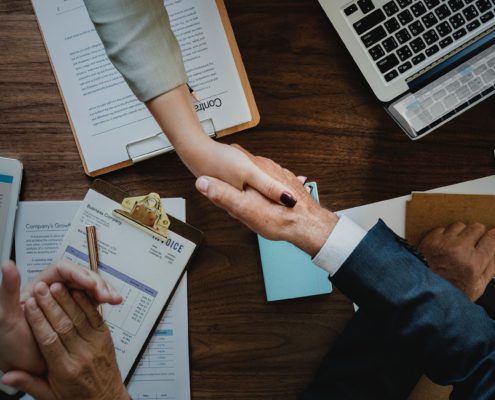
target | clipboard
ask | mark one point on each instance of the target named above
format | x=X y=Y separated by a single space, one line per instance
x=140 y=313
x=156 y=143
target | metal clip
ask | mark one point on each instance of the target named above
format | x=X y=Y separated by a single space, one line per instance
x=146 y=213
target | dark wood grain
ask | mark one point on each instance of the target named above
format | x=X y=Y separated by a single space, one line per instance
x=319 y=118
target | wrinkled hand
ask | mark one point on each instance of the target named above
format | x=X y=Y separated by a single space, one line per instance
x=18 y=348
x=76 y=345
x=307 y=225
x=463 y=255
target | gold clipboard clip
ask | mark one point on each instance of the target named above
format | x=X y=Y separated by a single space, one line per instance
x=145 y=213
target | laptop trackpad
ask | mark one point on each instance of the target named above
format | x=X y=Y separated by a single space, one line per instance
x=471 y=82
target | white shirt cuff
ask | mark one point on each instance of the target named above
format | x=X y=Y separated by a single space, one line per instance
x=342 y=241
x=7 y=389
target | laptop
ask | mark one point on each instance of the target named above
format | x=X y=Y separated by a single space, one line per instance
x=428 y=61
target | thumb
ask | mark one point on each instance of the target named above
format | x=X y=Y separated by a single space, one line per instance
x=220 y=193
x=30 y=384
x=11 y=282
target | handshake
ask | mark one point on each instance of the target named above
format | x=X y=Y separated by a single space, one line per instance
x=55 y=345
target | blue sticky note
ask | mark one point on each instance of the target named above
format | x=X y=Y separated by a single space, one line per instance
x=288 y=271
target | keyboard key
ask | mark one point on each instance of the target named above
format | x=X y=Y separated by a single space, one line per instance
x=430 y=37
x=370 y=21
x=350 y=10
x=404 y=3
x=456 y=5
x=432 y=50
x=473 y=25
x=390 y=8
x=419 y=58
x=376 y=52
x=458 y=34
x=483 y=5
x=366 y=6
x=404 y=53
x=432 y=3
x=374 y=36
x=392 y=25
x=444 y=29
x=416 y=28
x=418 y=9
x=389 y=44
x=391 y=75
x=487 y=17
x=404 y=67
x=457 y=20
x=445 y=42
x=387 y=63
x=429 y=20
x=442 y=12
x=403 y=36
x=470 y=13
x=417 y=45
x=405 y=17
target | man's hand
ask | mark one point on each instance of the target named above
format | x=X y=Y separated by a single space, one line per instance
x=463 y=255
x=307 y=225
x=18 y=350
x=76 y=345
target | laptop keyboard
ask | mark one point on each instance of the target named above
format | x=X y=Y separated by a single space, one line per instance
x=403 y=33
x=452 y=93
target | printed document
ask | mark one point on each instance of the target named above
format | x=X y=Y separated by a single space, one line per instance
x=109 y=122
x=163 y=371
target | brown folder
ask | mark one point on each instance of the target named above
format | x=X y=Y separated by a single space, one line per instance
x=426 y=211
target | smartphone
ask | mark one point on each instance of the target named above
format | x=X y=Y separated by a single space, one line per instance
x=10 y=186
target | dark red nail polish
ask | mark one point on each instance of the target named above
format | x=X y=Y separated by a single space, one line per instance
x=288 y=200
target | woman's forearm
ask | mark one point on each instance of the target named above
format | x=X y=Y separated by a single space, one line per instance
x=176 y=116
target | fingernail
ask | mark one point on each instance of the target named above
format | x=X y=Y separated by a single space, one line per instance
x=288 y=200
x=31 y=303
x=202 y=184
x=42 y=289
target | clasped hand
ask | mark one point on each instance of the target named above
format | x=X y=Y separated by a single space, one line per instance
x=54 y=343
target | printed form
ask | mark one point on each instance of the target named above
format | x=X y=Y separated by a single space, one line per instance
x=163 y=372
x=104 y=112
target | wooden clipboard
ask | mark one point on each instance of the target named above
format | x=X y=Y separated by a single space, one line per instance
x=181 y=228
x=253 y=108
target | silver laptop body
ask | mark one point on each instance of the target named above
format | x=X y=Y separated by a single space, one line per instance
x=426 y=60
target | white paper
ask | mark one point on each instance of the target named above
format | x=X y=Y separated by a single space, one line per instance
x=104 y=112
x=164 y=368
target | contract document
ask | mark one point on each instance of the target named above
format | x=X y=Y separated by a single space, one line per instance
x=112 y=127
x=163 y=371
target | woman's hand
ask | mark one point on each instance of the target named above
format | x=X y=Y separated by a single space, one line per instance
x=203 y=156
x=231 y=165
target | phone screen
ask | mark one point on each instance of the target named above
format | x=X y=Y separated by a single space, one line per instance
x=6 y=187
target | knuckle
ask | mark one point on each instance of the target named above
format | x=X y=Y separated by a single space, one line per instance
x=64 y=327
x=477 y=226
x=458 y=225
x=79 y=320
x=215 y=194
x=48 y=339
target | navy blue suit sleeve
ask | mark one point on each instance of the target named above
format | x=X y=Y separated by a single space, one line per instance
x=453 y=339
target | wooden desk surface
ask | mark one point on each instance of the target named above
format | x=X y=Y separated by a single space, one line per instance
x=319 y=118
